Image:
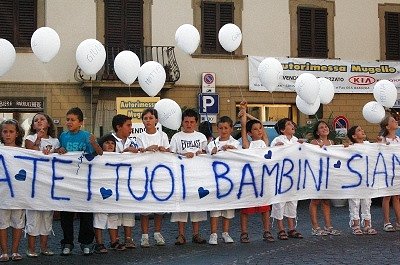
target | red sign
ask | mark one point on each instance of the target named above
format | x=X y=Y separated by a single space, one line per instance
x=340 y=122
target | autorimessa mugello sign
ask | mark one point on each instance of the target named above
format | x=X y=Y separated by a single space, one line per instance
x=346 y=76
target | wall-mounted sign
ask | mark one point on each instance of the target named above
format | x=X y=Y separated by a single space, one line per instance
x=21 y=104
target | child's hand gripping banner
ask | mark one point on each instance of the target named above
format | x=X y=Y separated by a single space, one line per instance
x=165 y=182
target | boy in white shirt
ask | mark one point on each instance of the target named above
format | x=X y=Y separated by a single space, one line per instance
x=223 y=142
x=189 y=143
x=122 y=126
x=286 y=129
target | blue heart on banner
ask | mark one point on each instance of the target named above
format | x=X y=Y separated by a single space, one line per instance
x=21 y=175
x=89 y=157
x=338 y=164
x=203 y=192
x=268 y=155
x=105 y=193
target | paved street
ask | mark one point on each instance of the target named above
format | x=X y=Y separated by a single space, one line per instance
x=383 y=248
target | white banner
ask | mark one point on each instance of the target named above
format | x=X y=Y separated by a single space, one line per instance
x=164 y=182
x=347 y=76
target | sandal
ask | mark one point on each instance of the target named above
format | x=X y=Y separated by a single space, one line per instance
x=4 y=258
x=397 y=227
x=388 y=228
x=331 y=231
x=318 y=232
x=369 y=231
x=16 y=257
x=282 y=235
x=180 y=240
x=295 y=234
x=244 y=238
x=357 y=231
x=267 y=236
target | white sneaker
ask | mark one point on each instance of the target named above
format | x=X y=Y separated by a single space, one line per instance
x=213 y=239
x=144 y=242
x=159 y=239
x=227 y=238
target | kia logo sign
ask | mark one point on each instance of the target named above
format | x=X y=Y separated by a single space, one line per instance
x=362 y=80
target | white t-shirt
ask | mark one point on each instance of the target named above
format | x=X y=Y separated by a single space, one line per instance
x=257 y=144
x=120 y=145
x=159 y=138
x=45 y=143
x=283 y=139
x=219 y=144
x=395 y=140
x=182 y=142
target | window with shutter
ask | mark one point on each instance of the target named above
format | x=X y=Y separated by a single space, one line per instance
x=312 y=32
x=123 y=24
x=392 y=35
x=18 y=20
x=213 y=16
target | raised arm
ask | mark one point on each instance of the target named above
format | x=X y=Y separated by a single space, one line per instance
x=243 y=121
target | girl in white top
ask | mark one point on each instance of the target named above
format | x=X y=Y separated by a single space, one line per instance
x=357 y=136
x=152 y=140
x=321 y=133
x=42 y=137
x=223 y=142
x=11 y=135
x=286 y=129
x=388 y=135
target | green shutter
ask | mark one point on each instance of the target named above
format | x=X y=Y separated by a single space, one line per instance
x=312 y=32
x=392 y=29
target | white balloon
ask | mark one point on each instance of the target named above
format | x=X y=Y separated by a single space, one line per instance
x=127 y=66
x=373 y=112
x=308 y=109
x=326 y=90
x=307 y=87
x=90 y=56
x=7 y=56
x=385 y=93
x=187 y=38
x=169 y=113
x=45 y=44
x=230 y=37
x=270 y=72
x=152 y=78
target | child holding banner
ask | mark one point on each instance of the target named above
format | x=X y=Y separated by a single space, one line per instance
x=11 y=135
x=321 y=133
x=286 y=129
x=108 y=221
x=42 y=137
x=152 y=140
x=255 y=130
x=122 y=126
x=189 y=143
x=357 y=136
x=71 y=141
x=223 y=142
x=389 y=126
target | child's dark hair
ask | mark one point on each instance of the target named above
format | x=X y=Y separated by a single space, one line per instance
x=51 y=131
x=280 y=125
x=315 y=129
x=105 y=138
x=20 y=131
x=385 y=122
x=351 y=132
x=190 y=113
x=205 y=128
x=153 y=111
x=226 y=119
x=250 y=123
x=76 y=111
x=119 y=120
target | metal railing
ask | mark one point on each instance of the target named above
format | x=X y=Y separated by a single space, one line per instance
x=165 y=55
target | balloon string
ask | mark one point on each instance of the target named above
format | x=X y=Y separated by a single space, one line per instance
x=236 y=75
x=130 y=94
x=91 y=105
